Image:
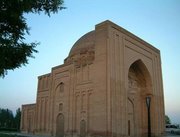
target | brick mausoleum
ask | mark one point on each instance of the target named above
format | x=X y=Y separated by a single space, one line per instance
x=101 y=89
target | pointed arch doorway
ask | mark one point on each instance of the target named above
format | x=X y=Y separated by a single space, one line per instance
x=60 y=126
x=139 y=86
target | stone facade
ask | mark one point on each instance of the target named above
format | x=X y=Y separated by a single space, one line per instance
x=101 y=89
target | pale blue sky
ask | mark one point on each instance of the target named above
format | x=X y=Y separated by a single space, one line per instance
x=155 y=21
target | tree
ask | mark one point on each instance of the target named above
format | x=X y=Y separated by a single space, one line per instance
x=6 y=118
x=8 y=121
x=14 y=51
x=17 y=119
x=167 y=120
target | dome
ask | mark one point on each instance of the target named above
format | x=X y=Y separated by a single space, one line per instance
x=85 y=43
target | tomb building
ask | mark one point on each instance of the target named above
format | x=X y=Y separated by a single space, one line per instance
x=101 y=89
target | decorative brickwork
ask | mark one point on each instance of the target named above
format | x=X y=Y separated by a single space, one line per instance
x=101 y=89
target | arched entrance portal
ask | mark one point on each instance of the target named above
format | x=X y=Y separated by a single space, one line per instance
x=139 y=86
x=60 y=126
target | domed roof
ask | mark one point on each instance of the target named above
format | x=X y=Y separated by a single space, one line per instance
x=85 y=43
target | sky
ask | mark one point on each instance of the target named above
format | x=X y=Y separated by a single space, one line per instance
x=155 y=21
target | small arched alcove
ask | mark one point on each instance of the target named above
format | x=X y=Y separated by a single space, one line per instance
x=60 y=90
x=83 y=128
x=139 y=87
x=60 y=126
x=61 y=87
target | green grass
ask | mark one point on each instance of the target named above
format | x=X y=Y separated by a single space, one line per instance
x=9 y=135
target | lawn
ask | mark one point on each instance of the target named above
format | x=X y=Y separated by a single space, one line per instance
x=9 y=135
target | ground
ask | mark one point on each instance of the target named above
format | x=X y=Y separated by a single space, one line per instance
x=11 y=134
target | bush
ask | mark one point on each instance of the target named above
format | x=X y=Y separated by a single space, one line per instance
x=8 y=129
